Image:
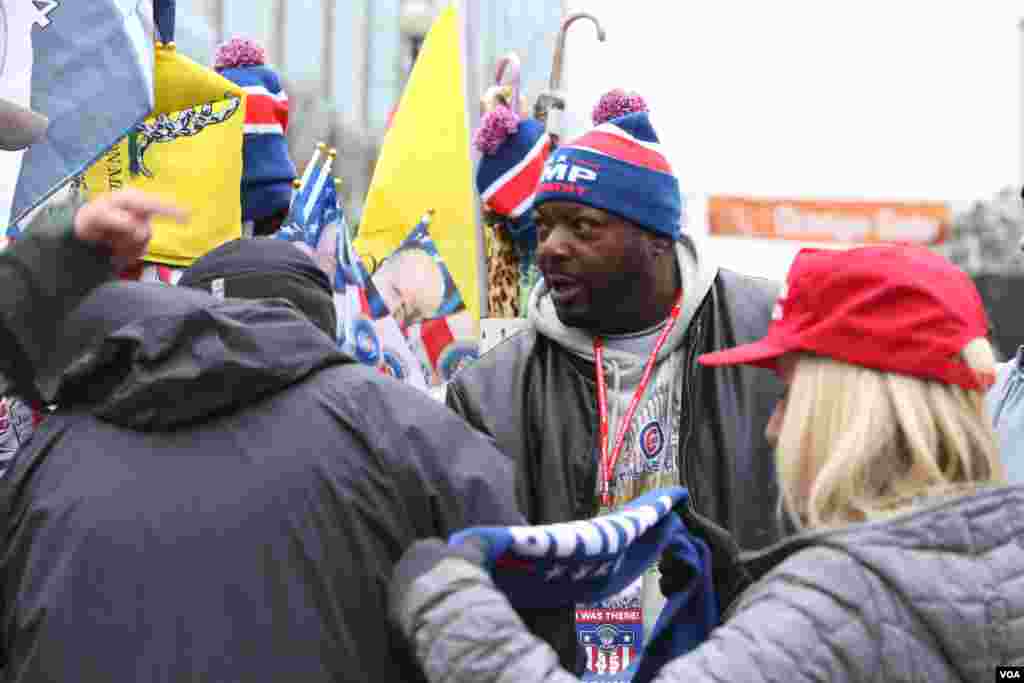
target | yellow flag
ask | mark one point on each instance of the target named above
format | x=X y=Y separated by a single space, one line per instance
x=425 y=164
x=190 y=152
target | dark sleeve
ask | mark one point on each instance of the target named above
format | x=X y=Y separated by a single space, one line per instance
x=450 y=475
x=455 y=398
x=43 y=276
x=556 y=626
x=480 y=410
x=473 y=481
x=492 y=395
x=489 y=395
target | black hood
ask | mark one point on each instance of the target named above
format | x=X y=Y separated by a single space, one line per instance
x=264 y=269
x=153 y=357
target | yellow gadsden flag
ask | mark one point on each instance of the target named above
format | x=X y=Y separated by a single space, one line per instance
x=425 y=164
x=190 y=152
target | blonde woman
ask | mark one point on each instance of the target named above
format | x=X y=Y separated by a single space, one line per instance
x=909 y=564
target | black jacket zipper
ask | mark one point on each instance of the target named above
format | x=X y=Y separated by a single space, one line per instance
x=686 y=465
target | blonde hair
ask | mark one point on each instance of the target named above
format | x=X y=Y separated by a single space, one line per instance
x=857 y=444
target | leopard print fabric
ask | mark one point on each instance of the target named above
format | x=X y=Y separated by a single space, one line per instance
x=502 y=275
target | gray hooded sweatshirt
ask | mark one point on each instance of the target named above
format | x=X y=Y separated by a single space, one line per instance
x=647 y=460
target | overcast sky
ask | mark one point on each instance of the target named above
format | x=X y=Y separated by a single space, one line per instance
x=901 y=99
x=879 y=100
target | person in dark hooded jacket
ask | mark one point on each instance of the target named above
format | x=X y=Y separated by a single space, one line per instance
x=266 y=269
x=68 y=248
x=222 y=495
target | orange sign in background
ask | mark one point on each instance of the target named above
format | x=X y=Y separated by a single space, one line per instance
x=829 y=221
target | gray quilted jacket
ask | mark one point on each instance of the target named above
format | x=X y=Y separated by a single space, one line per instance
x=934 y=595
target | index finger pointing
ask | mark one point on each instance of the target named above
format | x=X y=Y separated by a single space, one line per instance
x=147 y=204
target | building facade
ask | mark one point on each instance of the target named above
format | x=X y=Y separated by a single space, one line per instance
x=345 y=62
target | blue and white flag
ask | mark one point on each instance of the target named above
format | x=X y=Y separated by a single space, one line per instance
x=366 y=329
x=586 y=561
x=87 y=65
x=314 y=222
x=312 y=183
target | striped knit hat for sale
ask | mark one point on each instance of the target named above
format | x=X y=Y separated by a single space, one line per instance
x=268 y=170
x=514 y=151
x=619 y=167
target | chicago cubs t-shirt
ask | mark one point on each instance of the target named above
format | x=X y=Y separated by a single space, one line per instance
x=613 y=631
x=647 y=460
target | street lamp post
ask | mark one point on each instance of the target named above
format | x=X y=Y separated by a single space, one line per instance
x=281 y=26
x=1020 y=113
x=218 y=22
x=416 y=42
x=414 y=21
x=327 y=70
x=471 y=45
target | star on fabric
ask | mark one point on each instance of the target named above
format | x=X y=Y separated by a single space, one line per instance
x=582 y=572
x=556 y=572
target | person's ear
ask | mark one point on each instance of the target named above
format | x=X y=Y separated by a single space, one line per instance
x=658 y=246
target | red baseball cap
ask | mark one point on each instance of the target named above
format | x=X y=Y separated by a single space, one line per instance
x=892 y=308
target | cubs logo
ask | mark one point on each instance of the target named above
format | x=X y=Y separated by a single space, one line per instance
x=367 y=344
x=455 y=357
x=652 y=440
x=392 y=365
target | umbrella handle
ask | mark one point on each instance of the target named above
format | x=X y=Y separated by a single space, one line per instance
x=555 y=84
x=510 y=66
x=550 y=106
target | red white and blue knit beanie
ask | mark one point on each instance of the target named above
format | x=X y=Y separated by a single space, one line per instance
x=268 y=171
x=619 y=167
x=514 y=151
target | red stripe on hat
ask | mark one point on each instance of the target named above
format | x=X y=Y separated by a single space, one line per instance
x=520 y=187
x=624 y=149
x=265 y=110
x=436 y=336
x=364 y=303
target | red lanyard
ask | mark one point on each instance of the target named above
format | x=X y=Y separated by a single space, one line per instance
x=608 y=459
